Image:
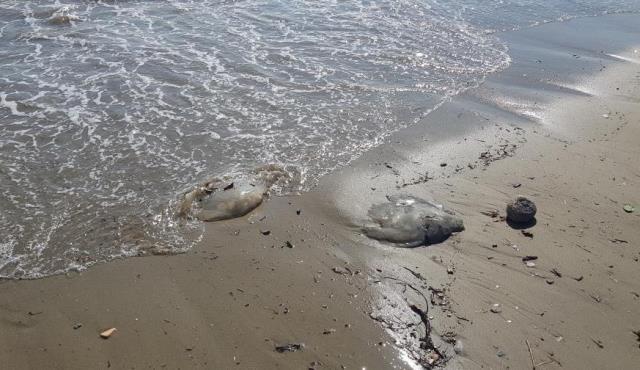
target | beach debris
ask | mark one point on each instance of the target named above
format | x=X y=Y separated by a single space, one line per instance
x=521 y=211
x=579 y=278
x=530 y=264
x=221 y=199
x=31 y=313
x=290 y=347
x=265 y=232
x=62 y=19
x=434 y=355
x=107 y=333
x=421 y=179
x=500 y=353
x=597 y=342
x=458 y=348
x=629 y=208
x=516 y=185
x=450 y=270
x=411 y=221
x=62 y=16
x=491 y=213
x=233 y=202
x=340 y=270
x=416 y=274
x=431 y=358
x=496 y=153
x=289 y=245
x=443 y=164
x=529 y=258
x=550 y=281
x=533 y=362
x=637 y=334
x=527 y=233
x=298 y=212
x=556 y=272
x=419 y=343
x=496 y=308
x=77 y=326
x=449 y=337
x=329 y=331
x=616 y=240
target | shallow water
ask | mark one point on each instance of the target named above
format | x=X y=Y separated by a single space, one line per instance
x=111 y=109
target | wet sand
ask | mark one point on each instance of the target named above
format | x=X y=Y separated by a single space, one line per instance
x=560 y=126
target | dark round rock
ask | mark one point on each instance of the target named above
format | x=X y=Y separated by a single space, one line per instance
x=521 y=211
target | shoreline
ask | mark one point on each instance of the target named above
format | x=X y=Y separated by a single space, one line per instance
x=237 y=295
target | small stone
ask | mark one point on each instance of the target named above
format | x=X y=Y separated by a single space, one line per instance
x=530 y=264
x=265 y=232
x=107 y=333
x=443 y=164
x=521 y=211
x=77 y=326
x=496 y=308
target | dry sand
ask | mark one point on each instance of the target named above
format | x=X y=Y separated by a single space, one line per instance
x=560 y=126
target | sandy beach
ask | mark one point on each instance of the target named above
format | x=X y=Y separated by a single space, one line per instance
x=559 y=126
